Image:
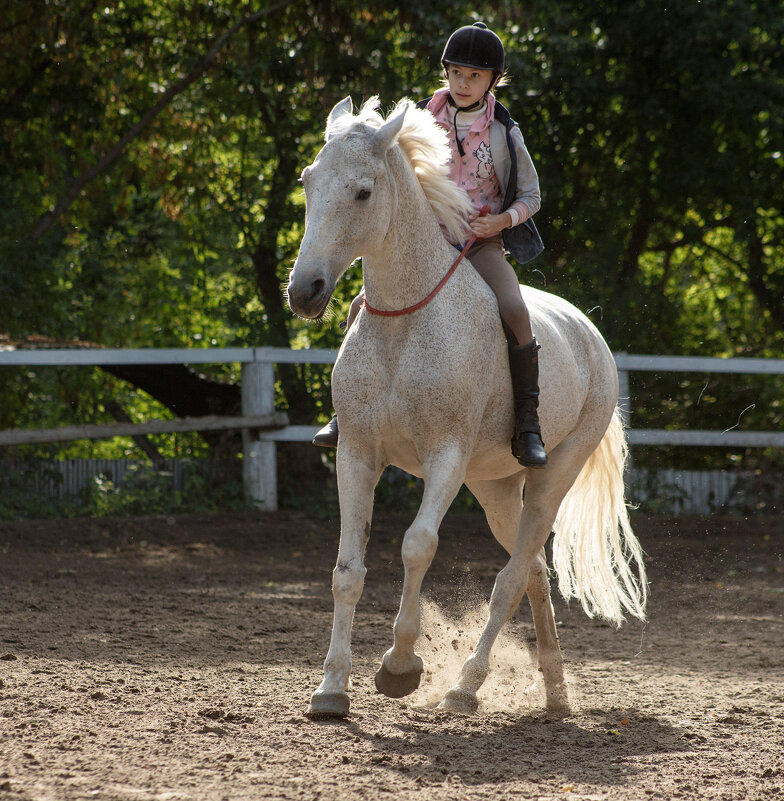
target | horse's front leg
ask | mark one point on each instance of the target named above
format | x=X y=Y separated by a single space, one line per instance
x=401 y=668
x=356 y=483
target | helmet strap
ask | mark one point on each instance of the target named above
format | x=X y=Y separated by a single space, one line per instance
x=467 y=108
x=458 y=109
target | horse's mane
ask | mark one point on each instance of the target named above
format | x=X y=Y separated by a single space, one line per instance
x=424 y=143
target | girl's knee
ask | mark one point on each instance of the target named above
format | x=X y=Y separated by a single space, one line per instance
x=513 y=310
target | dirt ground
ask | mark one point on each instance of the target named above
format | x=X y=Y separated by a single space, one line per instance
x=173 y=658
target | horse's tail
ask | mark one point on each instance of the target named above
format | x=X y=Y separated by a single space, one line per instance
x=594 y=545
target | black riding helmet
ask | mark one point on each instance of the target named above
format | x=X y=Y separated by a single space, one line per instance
x=475 y=46
x=478 y=47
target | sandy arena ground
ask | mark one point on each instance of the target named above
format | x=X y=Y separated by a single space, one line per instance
x=173 y=658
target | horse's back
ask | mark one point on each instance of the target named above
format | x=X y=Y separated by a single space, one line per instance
x=578 y=377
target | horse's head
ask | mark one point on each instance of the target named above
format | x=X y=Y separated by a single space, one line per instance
x=349 y=199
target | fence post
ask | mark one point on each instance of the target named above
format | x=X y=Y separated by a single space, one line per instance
x=259 y=465
x=625 y=406
x=624 y=399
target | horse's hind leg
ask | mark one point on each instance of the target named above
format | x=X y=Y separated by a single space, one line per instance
x=545 y=489
x=501 y=501
x=401 y=668
x=547 y=645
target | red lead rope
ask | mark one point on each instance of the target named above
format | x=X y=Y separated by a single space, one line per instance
x=399 y=312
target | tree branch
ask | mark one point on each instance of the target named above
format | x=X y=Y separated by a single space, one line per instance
x=72 y=191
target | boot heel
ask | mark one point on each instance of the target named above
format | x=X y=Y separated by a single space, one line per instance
x=529 y=451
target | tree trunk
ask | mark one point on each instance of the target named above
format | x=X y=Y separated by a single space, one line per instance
x=181 y=390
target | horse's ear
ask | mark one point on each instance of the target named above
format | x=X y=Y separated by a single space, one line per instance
x=387 y=133
x=341 y=109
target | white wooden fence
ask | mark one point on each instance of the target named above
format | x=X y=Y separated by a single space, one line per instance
x=732 y=437
x=263 y=427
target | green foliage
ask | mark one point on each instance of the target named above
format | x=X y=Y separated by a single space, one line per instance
x=145 y=490
x=760 y=493
x=149 y=491
x=20 y=497
x=718 y=402
x=656 y=130
x=660 y=495
x=63 y=395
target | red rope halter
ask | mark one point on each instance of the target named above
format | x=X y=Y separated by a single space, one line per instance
x=436 y=290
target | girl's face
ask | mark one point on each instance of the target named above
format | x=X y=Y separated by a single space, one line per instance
x=468 y=85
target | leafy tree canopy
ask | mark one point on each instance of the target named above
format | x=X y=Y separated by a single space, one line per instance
x=151 y=150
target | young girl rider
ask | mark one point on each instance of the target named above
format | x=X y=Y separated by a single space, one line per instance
x=489 y=159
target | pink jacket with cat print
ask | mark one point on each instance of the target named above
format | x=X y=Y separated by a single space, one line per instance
x=484 y=169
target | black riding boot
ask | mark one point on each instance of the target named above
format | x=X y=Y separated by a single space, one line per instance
x=327 y=437
x=527 y=445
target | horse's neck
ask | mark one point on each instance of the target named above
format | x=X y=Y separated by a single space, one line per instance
x=414 y=255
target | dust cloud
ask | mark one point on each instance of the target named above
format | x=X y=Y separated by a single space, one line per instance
x=514 y=683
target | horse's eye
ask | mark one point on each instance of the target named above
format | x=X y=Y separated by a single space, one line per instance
x=363 y=194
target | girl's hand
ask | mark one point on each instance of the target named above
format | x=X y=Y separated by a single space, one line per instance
x=489 y=225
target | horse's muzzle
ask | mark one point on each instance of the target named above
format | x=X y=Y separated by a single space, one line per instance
x=309 y=298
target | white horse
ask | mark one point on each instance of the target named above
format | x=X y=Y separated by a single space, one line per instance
x=430 y=392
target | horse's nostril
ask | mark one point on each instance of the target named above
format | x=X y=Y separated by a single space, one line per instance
x=316 y=288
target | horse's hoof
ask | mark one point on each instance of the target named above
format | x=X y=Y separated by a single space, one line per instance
x=558 y=702
x=328 y=705
x=459 y=702
x=397 y=685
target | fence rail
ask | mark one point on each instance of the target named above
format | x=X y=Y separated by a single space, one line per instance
x=212 y=422
x=263 y=427
x=731 y=438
